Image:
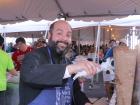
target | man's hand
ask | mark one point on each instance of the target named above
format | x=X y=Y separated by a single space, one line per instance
x=13 y=72
x=88 y=104
x=89 y=67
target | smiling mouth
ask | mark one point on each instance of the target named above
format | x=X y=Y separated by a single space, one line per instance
x=62 y=45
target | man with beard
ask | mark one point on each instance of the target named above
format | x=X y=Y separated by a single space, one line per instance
x=47 y=76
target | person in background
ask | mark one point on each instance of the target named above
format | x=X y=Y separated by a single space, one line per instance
x=101 y=55
x=109 y=87
x=91 y=53
x=41 y=42
x=47 y=76
x=109 y=52
x=123 y=42
x=19 y=54
x=9 y=47
x=6 y=64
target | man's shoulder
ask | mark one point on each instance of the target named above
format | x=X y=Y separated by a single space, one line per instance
x=3 y=53
x=29 y=48
x=17 y=52
x=42 y=50
x=37 y=52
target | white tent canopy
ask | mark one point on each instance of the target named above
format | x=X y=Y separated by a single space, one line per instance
x=86 y=34
x=128 y=21
x=21 y=10
x=43 y=25
x=26 y=26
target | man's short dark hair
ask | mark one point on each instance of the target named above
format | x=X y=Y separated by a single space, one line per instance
x=52 y=27
x=20 y=39
x=1 y=40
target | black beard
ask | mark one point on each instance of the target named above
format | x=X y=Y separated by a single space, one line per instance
x=55 y=48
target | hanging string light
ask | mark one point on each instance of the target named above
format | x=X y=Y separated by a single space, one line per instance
x=110 y=30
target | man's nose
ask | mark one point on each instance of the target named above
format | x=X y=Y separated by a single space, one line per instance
x=64 y=38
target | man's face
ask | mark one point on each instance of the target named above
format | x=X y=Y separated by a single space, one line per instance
x=61 y=36
x=20 y=46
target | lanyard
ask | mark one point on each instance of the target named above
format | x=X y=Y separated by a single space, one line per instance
x=50 y=55
x=51 y=58
x=70 y=80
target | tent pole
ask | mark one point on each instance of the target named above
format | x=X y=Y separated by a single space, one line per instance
x=97 y=51
x=46 y=32
x=103 y=36
x=98 y=48
x=110 y=32
x=93 y=34
x=98 y=43
x=78 y=41
x=4 y=35
x=32 y=38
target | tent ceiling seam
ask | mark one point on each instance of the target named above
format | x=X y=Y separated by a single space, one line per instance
x=98 y=15
x=61 y=9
